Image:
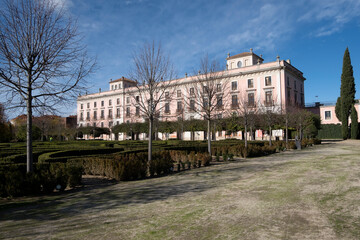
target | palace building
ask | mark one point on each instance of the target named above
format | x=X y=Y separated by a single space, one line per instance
x=263 y=84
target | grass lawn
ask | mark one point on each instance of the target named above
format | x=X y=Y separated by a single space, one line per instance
x=308 y=194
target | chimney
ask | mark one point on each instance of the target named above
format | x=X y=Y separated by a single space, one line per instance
x=99 y=90
x=185 y=75
x=278 y=58
x=228 y=55
x=251 y=50
x=199 y=72
x=122 y=77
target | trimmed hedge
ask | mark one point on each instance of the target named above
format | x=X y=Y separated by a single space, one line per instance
x=125 y=167
x=14 y=181
x=330 y=131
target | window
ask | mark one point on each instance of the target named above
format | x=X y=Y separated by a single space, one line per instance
x=118 y=101
x=192 y=92
x=167 y=95
x=295 y=97
x=137 y=111
x=112 y=87
x=137 y=98
x=81 y=116
x=192 y=105
x=110 y=103
x=110 y=113
x=205 y=89
x=288 y=94
x=268 y=81
x=117 y=122
x=179 y=106
x=94 y=124
x=118 y=112
x=102 y=124
x=239 y=64
x=127 y=99
x=295 y=85
x=115 y=87
x=234 y=100
x=167 y=108
x=288 y=81
x=95 y=115
x=205 y=103
x=218 y=87
x=94 y=104
x=102 y=103
x=128 y=111
x=268 y=98
x=88 y=105
x=251 y=99
x=81 y=106
x=302 y=99
x=233 y=86
x=88 y=116
x=219 y=101
x=219 y=116
x=178 y=94
x=250 y=83
x=327 y=115
x=110 y=124
x=102 y=114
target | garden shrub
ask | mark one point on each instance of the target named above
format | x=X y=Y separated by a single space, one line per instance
x=45 y=177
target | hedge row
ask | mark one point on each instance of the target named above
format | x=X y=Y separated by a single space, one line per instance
x=14 y=181
x=126 y=167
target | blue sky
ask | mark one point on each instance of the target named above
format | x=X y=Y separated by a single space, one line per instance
x=312 y=33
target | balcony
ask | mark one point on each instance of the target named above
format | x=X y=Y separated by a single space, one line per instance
x=269 y=103
x=87 y=118
x=94 y=118
x=117 y=115
x=167 y=111
x=110 y=116
x=81 y=119
x=234 y=105
x=179 y=110
x=219 y=106
x=251 y=105
x=102 y=117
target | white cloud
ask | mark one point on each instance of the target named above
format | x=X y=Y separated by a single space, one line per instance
x=264 y=31
x=333 y=13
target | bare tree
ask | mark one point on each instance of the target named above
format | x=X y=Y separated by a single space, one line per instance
x=42 y=60
x=152 y=73
x=246 y=109
x=206 y=93
x=270 y=114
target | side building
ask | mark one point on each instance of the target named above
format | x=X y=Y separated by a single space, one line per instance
x=262 y=84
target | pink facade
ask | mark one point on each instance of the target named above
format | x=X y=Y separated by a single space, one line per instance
x=328 y=116
x=247 y=76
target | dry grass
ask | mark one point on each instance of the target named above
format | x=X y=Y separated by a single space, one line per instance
x=308 y=194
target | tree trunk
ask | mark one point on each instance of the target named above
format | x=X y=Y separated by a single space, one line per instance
x=29 y=150
x=150 y=141
x=270 y=133
x=246 y=144
x=287 y=133
x=209 y=136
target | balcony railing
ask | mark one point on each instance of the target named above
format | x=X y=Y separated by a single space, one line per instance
x=81 y=119
x=251 y=105
x=102 y=117
x=117 y=115
x=167 y=111
x=269 y=103
x=87 y=118
x=234 y=105
x=178 y=110
x=110 y=116
x=94 y=118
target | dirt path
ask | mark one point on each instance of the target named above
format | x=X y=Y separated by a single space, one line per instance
x=308 y=194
